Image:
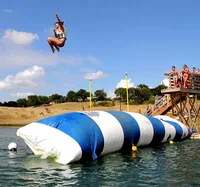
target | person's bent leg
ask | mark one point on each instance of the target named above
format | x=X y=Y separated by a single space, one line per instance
x=57 y=48
x=57 y=42
x=49 y=39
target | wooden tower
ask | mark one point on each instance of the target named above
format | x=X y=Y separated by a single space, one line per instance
x=183 y=101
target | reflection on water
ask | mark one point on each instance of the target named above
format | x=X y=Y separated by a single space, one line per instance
x=171 y=165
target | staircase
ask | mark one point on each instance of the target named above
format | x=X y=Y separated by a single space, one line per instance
x=162 y=106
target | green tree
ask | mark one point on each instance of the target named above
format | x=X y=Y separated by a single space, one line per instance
x=146 y=93
x=71 y=96
x=22 y=102
x=142 y=86
x=63 y=99
x=33 y=100
x=55 y=98
x=5 y=104
x=140 y=94
x=121 y=93
x=157 y=90
x=43 y=99
x=82 y=94
x=100 y=95
x=131 y=93
x=12 y=104
x=137 y=96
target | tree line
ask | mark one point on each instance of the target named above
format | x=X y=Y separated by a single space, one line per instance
x=139 y=95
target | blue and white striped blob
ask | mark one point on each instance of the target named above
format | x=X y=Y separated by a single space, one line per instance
x=74 y=136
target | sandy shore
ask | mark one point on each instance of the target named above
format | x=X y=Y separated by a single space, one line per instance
x=15 y=117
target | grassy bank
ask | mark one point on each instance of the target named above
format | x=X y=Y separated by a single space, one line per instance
x=22 y=116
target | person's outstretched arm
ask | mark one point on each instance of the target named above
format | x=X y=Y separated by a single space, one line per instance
x=59 y=21
x=58 y=18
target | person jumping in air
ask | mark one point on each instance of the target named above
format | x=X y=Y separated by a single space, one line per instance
x=60 y=34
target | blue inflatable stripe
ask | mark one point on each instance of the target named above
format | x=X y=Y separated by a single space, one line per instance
x=130 y=128
x=82 y=129
x=179 y=130
x=159 y=130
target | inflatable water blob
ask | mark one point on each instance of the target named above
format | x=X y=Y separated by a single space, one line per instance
x=78 y=136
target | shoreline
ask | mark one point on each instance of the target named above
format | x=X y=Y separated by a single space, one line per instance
x=11 y=126
x=18 y=117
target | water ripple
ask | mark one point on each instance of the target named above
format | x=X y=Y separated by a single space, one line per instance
x=169 y=165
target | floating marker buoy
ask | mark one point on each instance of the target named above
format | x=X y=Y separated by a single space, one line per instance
x=12 y=147
x=171 y=142
x=134 y=148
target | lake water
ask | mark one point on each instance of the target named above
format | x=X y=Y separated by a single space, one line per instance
x=165 y=165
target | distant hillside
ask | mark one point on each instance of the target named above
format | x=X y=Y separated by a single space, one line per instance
x=22 y=116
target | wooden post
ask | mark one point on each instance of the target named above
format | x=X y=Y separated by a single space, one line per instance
x=188 y=108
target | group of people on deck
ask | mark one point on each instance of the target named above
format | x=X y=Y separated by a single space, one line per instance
x=180 y=77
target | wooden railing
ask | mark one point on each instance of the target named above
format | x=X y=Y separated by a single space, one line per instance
x=193 y=81
x=159 y=104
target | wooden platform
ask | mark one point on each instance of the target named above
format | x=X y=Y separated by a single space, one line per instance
x=183 y=90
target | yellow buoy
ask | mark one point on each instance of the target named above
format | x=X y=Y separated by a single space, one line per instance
x=171 y=142
x=134 y=148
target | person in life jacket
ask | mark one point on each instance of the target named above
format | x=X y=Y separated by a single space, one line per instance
x=60 y=34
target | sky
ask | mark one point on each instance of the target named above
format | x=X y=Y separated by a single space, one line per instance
x=105 y=39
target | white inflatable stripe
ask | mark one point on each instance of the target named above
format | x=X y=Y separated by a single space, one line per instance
x=48 y=141
x=184 y=128
x=146 y=128
x=169 y=130
x=111 y=129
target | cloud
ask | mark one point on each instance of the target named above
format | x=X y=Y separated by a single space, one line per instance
x=6 y=10
x=24 y=57
x=165 y=82
x=22 y=79
x=95 y=75
x=31 y=73
x=122 y=83
x=22 y=94
x=20 y=38
x=18 y=56
x=111 y=94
